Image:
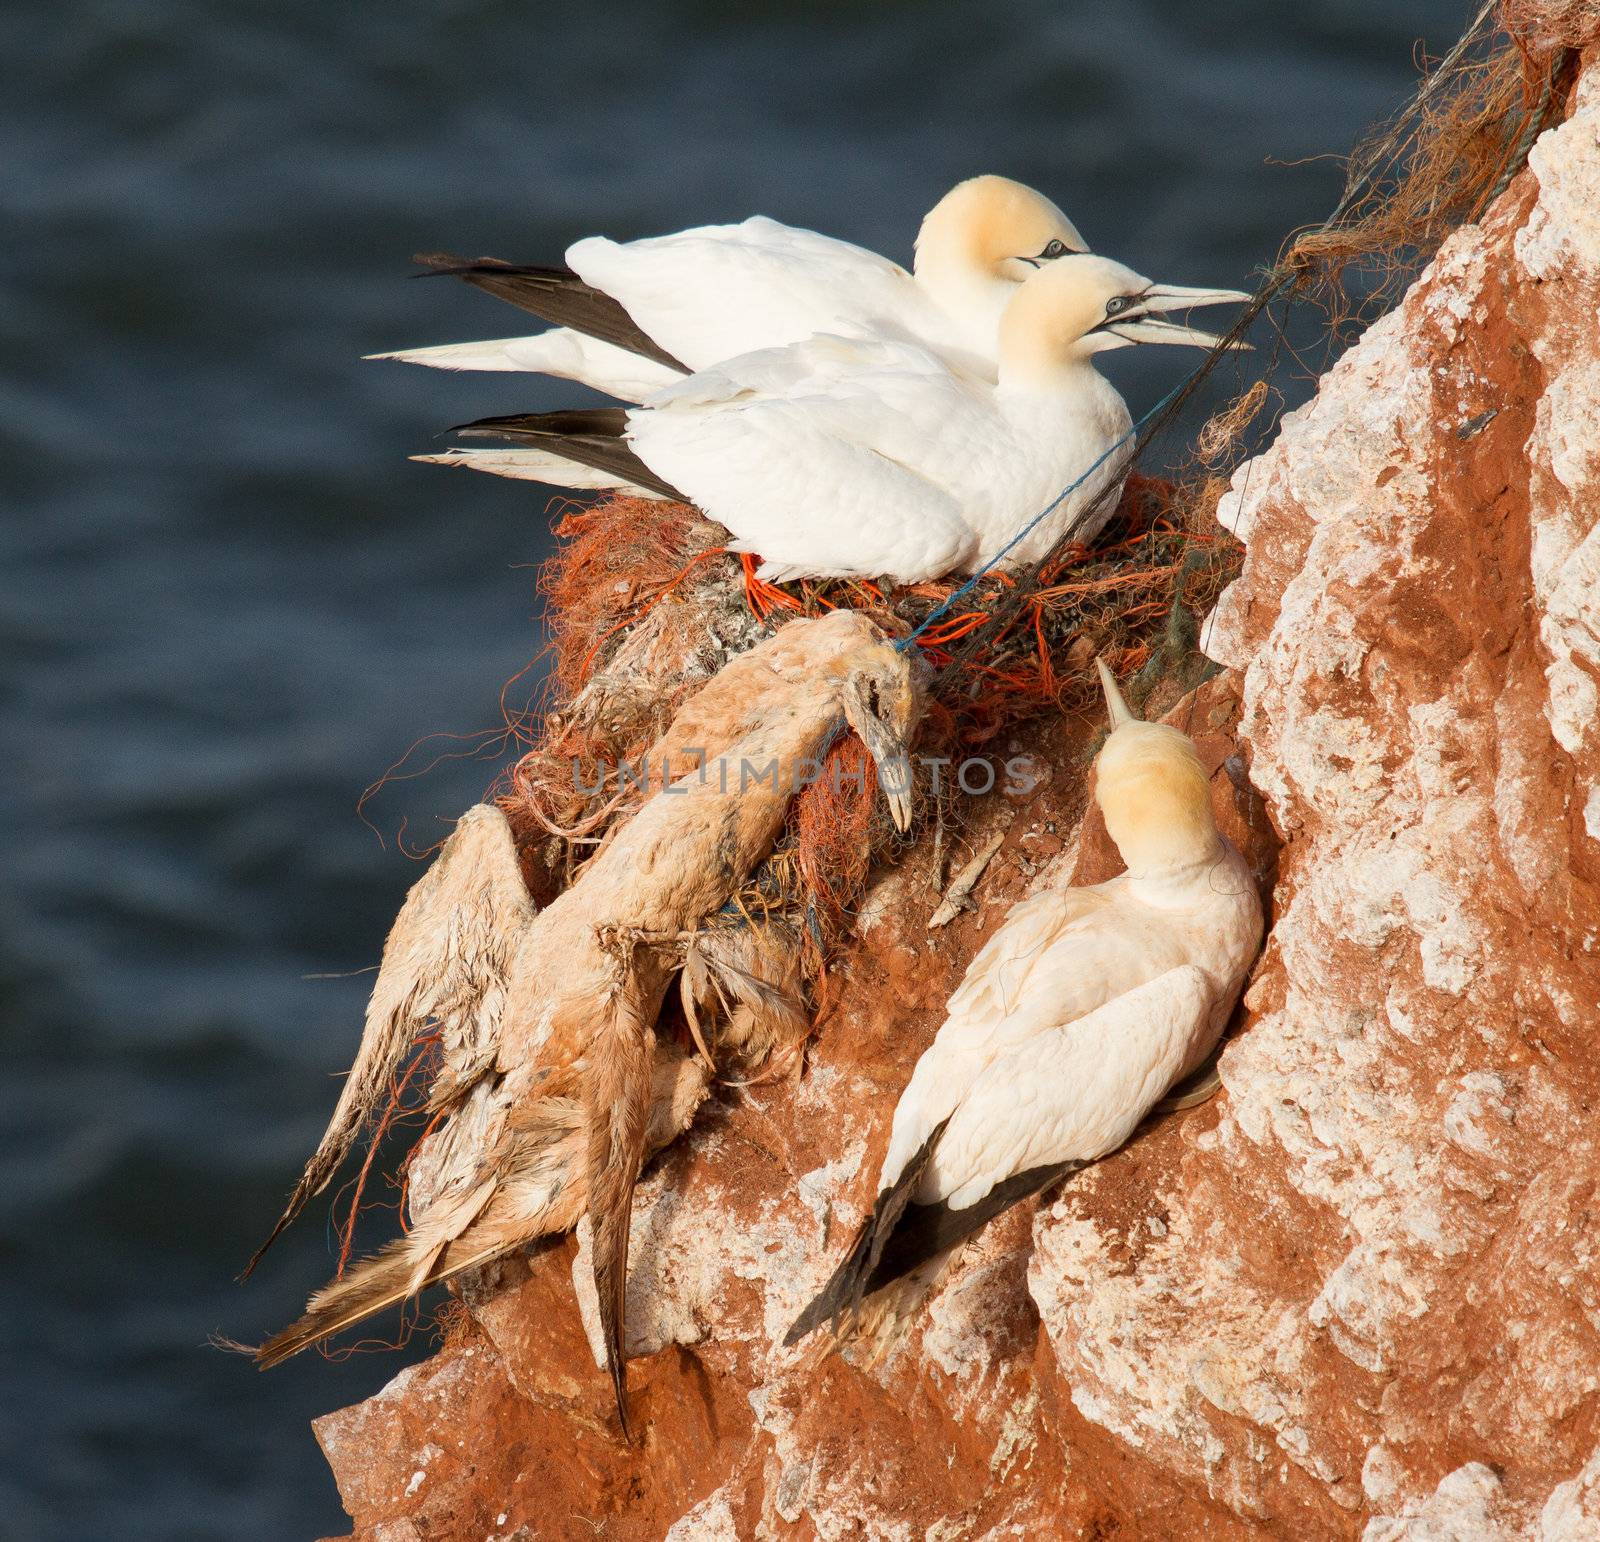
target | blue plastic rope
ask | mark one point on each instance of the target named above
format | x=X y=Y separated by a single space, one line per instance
x=907 y=643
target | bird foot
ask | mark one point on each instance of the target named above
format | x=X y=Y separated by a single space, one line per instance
x=763 y=598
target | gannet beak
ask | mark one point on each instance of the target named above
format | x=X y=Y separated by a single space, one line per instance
x=1141 y=323
x=886 y=745
x=1149 y=329
x=1174 y=297
x=1115 y=705
x=899 y=800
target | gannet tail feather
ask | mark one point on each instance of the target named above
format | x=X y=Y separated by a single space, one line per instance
x=560 y=351
x=590 y=437
x=848 y=1284
x=557 y=295
x=544 y=466
x=488 y=355
x=591 y=422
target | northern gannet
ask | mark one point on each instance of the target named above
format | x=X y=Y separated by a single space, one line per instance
x=555 y=1084
x=839 y=457
x=1072 y=1022
x=635 y=316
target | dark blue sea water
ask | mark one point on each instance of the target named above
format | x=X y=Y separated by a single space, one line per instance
x=227 y=602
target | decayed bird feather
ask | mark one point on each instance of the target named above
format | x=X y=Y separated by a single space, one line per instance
x=750 y=977
x=1075 y=1018
x=490 y=1221
x=444 y=963
x=842 y=457
x=628 y=311
x=565 y=1084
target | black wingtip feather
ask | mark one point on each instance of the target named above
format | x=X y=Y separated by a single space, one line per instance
x=447 y=265
x=900 y=1236
x=556 y=295
x=848 y=1283
x=589 y=436
x=598 y=422
x=925 y=1231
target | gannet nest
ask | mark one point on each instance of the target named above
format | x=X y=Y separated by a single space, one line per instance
x=642 y=605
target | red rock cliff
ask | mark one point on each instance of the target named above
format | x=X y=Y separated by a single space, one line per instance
x=1355 y=1295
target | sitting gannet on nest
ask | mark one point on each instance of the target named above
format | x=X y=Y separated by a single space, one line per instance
x=1073 y=1020
x=555 y=1081
x=866 y=459
x=634 y=316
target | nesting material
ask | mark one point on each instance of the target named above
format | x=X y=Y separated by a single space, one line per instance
x=556 y=1077
x=624 y=645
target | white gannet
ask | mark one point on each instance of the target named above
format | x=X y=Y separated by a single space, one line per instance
x=839 y=457
x=637 y=315
x=1072 y=1022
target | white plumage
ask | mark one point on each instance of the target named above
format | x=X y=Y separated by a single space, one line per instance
x=709 y=293
x=1072 y=1022
x=844 y=457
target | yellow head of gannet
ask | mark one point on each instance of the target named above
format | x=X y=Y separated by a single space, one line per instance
x=982 y=239
x=1153 y=791
x=1071 y=310
x=994 y=227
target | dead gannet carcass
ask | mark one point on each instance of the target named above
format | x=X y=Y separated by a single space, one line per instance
x=1073 y=1021
x=839 y=457
x=555 y=1084
x=637 y=315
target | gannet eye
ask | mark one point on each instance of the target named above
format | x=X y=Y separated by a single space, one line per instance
x=1055 y=249
x=1118 y=303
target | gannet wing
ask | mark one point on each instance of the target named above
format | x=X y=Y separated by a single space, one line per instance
x=1073 y=1093
x=1001 y=1001
x=713 y=292
x=625 y=309
x=617 y=1093
x=445 y=963
x=992 y=988
x=1039 y=1113
x=820 y=477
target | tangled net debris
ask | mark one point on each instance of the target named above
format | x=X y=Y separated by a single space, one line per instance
x=1435 y=166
